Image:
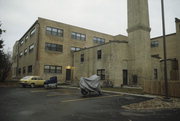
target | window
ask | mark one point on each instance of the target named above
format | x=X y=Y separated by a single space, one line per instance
x=82 y=57
x=26 y=38
x=155 y=74
x=52 y=69
x=154 y=44
x=19 y=71
x=20 y=54
x=99 y=40
x=101 y=73
x=175 y=65
x=31 y=47
x=54 y=31
x=156 y=56
x=75 y=49
x=99 y=54
x=24 y=70
x=32 y=32
x=21 y=41
x=54 y=47
x=78 y=36
x=30 y=69
x=25 y=51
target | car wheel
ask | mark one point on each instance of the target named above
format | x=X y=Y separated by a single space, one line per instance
x=22 y=85
x=84 y=92
x=32 y=85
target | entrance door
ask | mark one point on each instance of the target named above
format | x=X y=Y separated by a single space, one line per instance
x=68 y=74
x=125 y=77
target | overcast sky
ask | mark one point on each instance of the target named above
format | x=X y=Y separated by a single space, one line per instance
x=107 y=16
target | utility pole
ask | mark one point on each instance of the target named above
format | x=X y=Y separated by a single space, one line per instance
x=164 y=47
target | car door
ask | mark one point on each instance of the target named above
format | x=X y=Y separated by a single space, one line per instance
x=40 y=81
x=34 y=81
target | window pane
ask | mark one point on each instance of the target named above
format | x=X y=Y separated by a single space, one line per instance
x=48 y=28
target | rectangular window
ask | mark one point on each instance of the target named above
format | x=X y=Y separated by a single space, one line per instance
x=54 y=47
x=26 y=38
x=25 y=51
x=52 y=69
x=99 y=40
x=54 y=31
x=99 y=54
x=31 y=47
x=155 y=56
x=75 y=49
x=20 y=54
x=30 y=69
x=24 y=70
x=21 y=41
x=78 y=36
x=101 y=73
x=19 y=71
x=82 y=57
x=32 y=32
x=155 y=74
x=154 y=44
x=175 y=65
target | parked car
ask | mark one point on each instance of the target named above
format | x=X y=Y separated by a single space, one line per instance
x=31 y=81
x=51 y=83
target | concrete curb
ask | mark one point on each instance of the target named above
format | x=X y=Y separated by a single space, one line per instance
x=122 y=93
x=125 y=93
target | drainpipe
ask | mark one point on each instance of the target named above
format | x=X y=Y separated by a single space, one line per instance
x=164 y=48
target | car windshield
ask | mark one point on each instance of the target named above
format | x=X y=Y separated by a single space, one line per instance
x=26 y=77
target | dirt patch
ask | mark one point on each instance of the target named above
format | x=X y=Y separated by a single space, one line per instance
x=157 y=103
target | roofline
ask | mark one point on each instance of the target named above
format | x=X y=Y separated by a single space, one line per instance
x=80 y=27
x=162 y=36
x=111 y=41
x=29 y=29
x=177 y=20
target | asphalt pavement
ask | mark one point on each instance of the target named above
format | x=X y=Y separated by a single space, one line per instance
x=62 y=104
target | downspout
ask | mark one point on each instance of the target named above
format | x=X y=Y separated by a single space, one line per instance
x=17 y=68
x=37 y=52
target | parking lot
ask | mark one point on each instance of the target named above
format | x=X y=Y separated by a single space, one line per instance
x=64 y=104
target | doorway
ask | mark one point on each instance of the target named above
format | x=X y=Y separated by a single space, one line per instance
x=68 y=74
x=125 y=77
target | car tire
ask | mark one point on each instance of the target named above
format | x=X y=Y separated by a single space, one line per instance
x=84 y=92
x=32 y=85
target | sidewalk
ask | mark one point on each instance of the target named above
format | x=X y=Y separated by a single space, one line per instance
x=116 y=91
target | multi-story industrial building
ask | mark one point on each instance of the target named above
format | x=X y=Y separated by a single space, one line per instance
x=50 y=48
x=46 y=49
